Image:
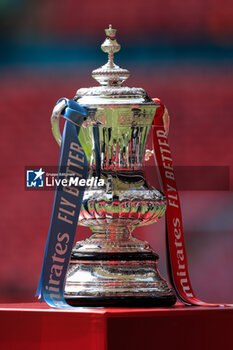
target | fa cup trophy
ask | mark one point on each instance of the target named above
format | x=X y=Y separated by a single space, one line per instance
x=112 y=267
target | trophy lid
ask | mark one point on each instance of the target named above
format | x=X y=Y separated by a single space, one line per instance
x=111 y=77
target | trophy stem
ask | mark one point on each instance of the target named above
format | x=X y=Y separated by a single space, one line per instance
x=112 y=240
x=113 y=232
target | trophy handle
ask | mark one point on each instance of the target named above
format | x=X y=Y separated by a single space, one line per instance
x=55 y=117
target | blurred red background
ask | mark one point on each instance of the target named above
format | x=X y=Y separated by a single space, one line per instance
x=181 y=52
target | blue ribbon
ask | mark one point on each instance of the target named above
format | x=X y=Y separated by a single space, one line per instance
x=66 y=208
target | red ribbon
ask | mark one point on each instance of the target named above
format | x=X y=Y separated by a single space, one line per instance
x=176 y=254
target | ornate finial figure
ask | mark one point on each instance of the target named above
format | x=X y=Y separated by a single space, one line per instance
x=110 y=74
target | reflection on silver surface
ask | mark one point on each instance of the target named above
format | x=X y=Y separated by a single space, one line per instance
x=126 y=200
x=115 y=279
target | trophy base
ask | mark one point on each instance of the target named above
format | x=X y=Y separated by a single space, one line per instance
x=123 y=279
x=123 y=301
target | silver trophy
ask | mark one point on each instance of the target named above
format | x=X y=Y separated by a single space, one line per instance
x=112 y=267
